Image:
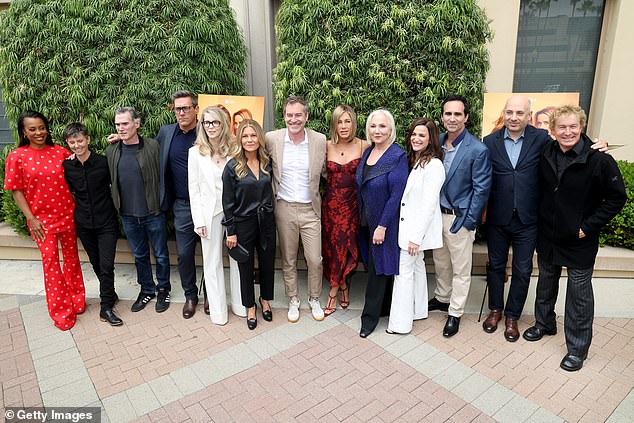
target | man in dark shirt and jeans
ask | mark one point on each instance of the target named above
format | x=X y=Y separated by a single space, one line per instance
x=134 y=170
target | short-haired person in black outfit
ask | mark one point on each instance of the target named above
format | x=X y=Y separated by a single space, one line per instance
x=581 y=191
x=247 y=202
x=88 y=178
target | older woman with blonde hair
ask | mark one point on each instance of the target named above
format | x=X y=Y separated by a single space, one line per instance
x=381 y=177
x=247 y=200
x=339 y=210
x=206 y=162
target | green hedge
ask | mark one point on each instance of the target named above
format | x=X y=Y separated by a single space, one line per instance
x=620 y=231
x=402 y=55
x=78 y=60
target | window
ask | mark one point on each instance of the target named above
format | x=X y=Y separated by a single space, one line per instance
x=5 y=133
x=557 y=44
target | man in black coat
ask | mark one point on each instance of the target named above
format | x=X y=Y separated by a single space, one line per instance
x=581 y=191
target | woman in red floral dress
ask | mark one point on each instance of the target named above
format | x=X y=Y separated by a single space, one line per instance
x=339 y=214
x=34 y=173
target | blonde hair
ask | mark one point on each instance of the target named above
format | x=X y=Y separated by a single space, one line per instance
x=568 y=109
x=241 y=158
x=203 y=142
x=390 y=121
x=334 y=120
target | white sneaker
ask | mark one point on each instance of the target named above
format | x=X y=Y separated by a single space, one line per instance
x=315 y=308
x=293 y=311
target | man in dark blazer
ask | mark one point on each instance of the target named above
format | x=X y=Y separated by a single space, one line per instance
x=581 y=191
x=512 y=212
x=462 y=198
x=175 y=141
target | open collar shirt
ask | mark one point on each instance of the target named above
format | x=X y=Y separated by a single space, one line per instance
x=295 y=178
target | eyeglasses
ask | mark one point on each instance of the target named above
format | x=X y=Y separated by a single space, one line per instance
x=184 y=109
x=211 y=123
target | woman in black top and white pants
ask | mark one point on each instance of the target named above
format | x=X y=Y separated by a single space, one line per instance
x=96 y=222
x=247 y=202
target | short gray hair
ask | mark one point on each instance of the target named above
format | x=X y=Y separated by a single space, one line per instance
x=184 y=94
x=128 y=109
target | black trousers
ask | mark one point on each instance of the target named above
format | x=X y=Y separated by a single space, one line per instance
x=100 y=245
x=378 y=294
x=579 y=309
x=523 y=239
x=257 y=234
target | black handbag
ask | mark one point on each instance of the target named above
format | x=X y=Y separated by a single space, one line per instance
x=239 y=253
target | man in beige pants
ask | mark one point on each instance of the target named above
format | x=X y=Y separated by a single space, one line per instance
x=298 y=156
x=462 y=198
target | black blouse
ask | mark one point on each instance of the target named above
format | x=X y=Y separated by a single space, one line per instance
x=243 y=198
x=90 y=182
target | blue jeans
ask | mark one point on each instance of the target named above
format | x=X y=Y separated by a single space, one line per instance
x=140 y=230
x=186 y=240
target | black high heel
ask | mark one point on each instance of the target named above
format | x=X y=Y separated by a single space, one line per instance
x=253 y=322
x=266 y=314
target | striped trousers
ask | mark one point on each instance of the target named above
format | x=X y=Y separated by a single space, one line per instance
x=579 y=309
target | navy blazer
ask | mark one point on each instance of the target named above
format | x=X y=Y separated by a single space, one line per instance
x=380 y=197
x=468 y=182
x=164 y=138
x=519 y=185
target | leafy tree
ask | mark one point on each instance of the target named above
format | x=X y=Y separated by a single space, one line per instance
x=401 y=55
x=78 y=60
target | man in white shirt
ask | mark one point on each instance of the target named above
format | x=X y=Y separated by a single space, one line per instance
x=298 y=155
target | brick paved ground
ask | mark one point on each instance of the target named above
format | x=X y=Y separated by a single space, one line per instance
x=164 y=368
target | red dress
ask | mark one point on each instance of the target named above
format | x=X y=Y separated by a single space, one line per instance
x=40 y=176
x=340 y=222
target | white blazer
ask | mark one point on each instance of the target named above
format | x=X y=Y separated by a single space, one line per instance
x=420 y=221
x=202 y=189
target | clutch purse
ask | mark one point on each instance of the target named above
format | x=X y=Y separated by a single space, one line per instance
x=239 y=253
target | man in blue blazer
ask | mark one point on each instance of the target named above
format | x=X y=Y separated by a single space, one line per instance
x=462 y=198
x=512 y=212
x=175 y=140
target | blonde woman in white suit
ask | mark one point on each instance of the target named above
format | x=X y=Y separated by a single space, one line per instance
x=206 y=162
x=420 y=225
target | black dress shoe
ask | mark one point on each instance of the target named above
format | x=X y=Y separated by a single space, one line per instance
x=266 y=314
x=108 y=315
x=252 y=323
x=364 y=333
x=206 y=305
x=434 y=304
x=189 y=308
x=451 y=327
x=571 y=363
x=535 y=334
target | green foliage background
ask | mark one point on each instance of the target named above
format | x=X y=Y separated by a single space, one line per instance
x=620 y=231
x=78 y=60
x=402 y=55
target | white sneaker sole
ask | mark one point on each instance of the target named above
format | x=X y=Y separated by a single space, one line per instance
x=291 y=320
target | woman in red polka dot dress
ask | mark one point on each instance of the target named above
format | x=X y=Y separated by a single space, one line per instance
x=34 y=173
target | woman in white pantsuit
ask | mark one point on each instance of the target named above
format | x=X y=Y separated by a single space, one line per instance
x=420 y=225
x=206 y=162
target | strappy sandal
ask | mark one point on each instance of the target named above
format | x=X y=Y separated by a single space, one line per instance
x=329 y=310
x=344 y=303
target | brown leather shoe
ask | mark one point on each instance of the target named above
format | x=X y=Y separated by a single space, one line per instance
x=189 y=308
x=511 y=333
x=490 y=325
